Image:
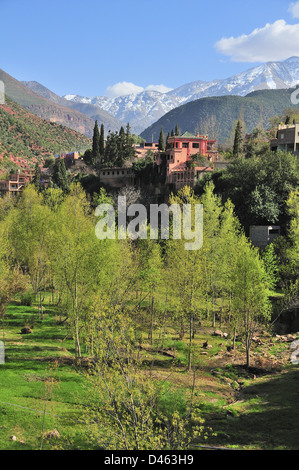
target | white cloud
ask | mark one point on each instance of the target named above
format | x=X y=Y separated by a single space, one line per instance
x=277 y=41
x=294 y=9
x=128 y=88
x=160 y=88
x=122 y=89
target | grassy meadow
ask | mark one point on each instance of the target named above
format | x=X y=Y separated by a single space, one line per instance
x=42 y=388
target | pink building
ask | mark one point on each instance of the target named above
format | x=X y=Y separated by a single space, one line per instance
x=180 y=168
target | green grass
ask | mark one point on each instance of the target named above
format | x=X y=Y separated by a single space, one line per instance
x=23 y=381
x=246 y=409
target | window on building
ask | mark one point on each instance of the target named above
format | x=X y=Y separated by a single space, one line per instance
x=282 y=136
x=185 y=145
x=195 y=146
x=274 y=231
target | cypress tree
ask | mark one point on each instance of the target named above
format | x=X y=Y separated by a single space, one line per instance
x=95 y=142
x=130 y=149
x=161 y=145
x=238 y=140
x=177 y=133
x=102 y=141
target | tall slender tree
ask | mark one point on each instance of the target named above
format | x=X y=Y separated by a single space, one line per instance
x=95 y=143
x=237 y=149
x=102 y=140
x=161 y=145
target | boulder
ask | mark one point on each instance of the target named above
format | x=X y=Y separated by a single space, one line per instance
x=218 y=333
x=26 y=330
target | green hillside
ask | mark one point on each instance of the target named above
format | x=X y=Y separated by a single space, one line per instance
x=26 y=138
x=217 y=115
x=58 y=112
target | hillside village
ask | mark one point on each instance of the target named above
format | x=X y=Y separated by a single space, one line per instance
x=134 y=317
x=157 y=167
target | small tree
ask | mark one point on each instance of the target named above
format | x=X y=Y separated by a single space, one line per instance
x=59 y=177
x=37 y=177
x=250 y=291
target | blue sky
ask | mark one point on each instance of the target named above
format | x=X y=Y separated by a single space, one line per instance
x=88 y=47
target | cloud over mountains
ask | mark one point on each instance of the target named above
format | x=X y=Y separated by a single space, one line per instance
x=128 y=88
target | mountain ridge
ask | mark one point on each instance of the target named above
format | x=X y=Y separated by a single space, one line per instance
x=145 y=108
x=217 y=115
x=50 y=110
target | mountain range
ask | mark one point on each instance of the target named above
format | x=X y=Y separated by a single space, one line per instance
x=143 y=109
x=217 y=116
x=43 y=103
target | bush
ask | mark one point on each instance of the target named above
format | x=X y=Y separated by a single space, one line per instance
x=26 y=299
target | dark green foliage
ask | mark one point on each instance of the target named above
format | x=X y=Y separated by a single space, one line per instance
x=256 y=144
x=49 y=162
x=129 y=145
x=161 y=145
x=102 y=140
x=119 y=148
x=88 y=157
x=227 y=110
x=90 y=183
x=258 y=187
x=95 y=143
x=238 y=140
x=59 y=177
x=37 y=177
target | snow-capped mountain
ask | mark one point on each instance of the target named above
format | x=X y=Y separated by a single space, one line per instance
x=144 y=108
x=271 y=75
x=140 y=110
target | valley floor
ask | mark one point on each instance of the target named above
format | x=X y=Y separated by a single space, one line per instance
x=41 y=387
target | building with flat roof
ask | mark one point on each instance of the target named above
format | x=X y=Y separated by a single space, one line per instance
x=16 y=182
x=116 y=177
x=180 y=154
x=287 y=139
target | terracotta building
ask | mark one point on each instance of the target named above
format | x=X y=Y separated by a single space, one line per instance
x=16 y=182
x=180 y=168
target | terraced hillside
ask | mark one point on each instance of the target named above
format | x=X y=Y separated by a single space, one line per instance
x=26 y=138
